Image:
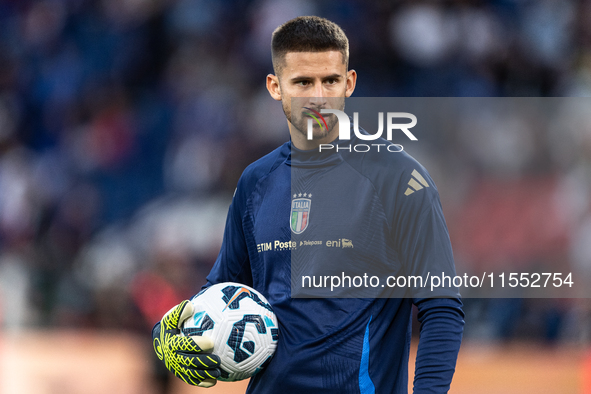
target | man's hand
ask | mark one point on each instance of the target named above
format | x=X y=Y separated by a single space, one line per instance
x=189 y=358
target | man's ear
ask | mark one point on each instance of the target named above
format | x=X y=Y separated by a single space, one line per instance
x=351 y=81
x=273 y=87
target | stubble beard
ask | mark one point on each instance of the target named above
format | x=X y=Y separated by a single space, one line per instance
x=300 y=122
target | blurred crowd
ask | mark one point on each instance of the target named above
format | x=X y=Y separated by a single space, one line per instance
x=125 y=125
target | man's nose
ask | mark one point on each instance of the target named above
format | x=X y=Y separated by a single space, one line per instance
x=319 y=98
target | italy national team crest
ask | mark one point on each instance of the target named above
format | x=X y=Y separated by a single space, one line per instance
x=300 y=213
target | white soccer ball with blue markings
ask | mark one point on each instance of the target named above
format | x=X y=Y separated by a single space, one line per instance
x=242 y=325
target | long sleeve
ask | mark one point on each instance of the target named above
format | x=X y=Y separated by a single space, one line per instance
x=232 y=263
x=442 y=322
x=424 y=244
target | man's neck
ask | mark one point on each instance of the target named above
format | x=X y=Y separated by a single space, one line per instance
x=302 y=143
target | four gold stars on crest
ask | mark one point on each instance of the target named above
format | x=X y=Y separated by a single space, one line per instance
x=300 y=195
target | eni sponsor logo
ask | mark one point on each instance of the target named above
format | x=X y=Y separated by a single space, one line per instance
x=340 y=243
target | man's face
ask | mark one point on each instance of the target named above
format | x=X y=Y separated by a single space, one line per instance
x=314 y=80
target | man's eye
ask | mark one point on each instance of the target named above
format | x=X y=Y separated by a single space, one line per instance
x=303 y=83
x=331 y=81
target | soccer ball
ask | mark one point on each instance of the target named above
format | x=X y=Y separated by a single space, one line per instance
x=242 y=325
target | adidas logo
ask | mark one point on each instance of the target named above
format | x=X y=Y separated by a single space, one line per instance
x=414 y=185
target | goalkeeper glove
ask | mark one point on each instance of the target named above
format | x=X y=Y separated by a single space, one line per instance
x=189 y=358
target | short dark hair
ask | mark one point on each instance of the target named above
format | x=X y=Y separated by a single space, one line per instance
x=307 y=34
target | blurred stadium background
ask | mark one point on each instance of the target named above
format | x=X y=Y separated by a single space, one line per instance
x=125 y=124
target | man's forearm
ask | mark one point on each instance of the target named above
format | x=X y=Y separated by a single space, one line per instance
x=442 y=326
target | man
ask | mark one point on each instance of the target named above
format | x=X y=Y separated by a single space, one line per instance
x=329 y=345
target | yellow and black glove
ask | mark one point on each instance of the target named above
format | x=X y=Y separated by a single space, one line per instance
x=189 y=358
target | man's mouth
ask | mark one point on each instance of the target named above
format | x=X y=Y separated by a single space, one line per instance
x=314 y=114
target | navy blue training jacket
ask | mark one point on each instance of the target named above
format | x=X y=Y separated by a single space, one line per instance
x=373 y=212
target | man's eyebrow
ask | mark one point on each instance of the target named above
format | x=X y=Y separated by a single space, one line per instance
x=306 y=78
